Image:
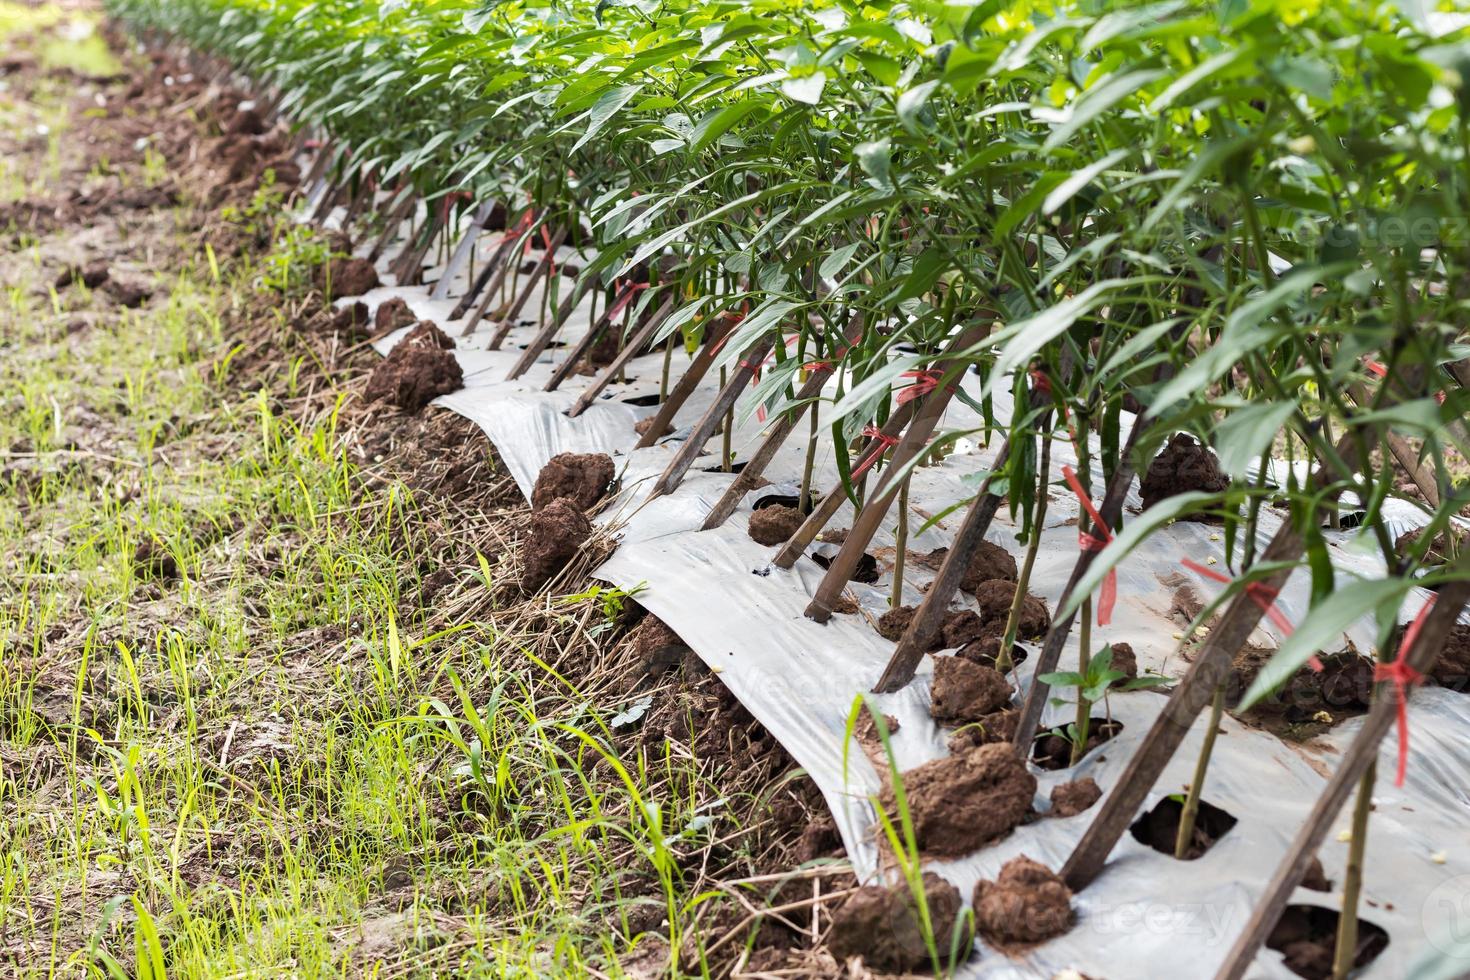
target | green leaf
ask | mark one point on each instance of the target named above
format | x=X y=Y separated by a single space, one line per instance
x=717 y=123
x=605 y=108
x=1025 y=337
x=875 y=158
x=1246 y=432
x=806 y=89
x=1322 y=630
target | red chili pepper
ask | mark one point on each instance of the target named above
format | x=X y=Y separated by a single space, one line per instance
x=1402 y=677
x=1108 y=596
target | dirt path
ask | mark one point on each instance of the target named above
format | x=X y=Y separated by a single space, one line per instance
x=270 y=702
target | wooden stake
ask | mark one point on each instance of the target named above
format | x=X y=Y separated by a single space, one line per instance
x=397 y=211
x=1210 y=670
x=548 y=331
x=1056 y=638
x=914 y=443
x=495 y=273
x=1360 y=756
x=630 y=350
x=822 y=513
x=685 y=386
x=673 y=474
x=776 y=436
x=463 y=250
x=509 y=318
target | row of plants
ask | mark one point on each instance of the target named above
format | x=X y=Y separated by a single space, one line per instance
x=1243 y=220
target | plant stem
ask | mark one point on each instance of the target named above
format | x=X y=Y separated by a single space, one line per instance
x=804 y=500
x=1023 y=581
x=725 y=426
x=1084 y=709
x=1190 y=812
x=1352 y=884
x=902 y=543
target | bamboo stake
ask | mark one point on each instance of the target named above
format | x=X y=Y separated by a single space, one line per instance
x=495 y=273
x=1195 y=690
x=510 y=316
x=630 y=350
x=914 y=442
x=673 y=474
x=463 y=250
x=1056 y=638
x=1359 y=758
x=685 y=386
x=822 y=513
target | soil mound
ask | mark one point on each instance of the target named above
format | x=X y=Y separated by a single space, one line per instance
x=990 y=562
x=995 y=597
x=998 y=726
x=1184 y=465
x=658 y=647
x=774 y=525
x=579 y=478
x=1027 y=903
x=413 y=375
x=392 y=315
x=343 y=276
x=963 y=692
x=882 y=925
x=1070 y=799
x=963 y=801
x=556 y=532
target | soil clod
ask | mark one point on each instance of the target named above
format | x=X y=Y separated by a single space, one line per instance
x=580 y=478
x=1183 y=466
x=416 y=372
x=392 y=315
x=995 y=597
x=774 y=525
x=557 y=531
x=882 y=925
x=346 y=276
x=1070 y=799
x=1027 y=903
x=965 y=692
x=962 y=802
x=989 y=562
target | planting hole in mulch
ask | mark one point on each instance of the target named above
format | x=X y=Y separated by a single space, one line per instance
x=643 y=425
x=1027 y=903
x=1183 y=466
x=643 y=401
x=1452 y=669
x=1159 y=827
x=865 y=573
x=1052 y=750
x=882 y=925
x=782 y=500
x=986 y=651
x=961 y=802
x=1306 y=937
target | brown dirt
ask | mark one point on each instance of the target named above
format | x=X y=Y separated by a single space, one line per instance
x=866 y=729
x=128 y=293
x=91 y=275
x=1445 y=548
x=999 y=726
x=960 y=628
x=556 y=532
x=892 y=624
x=774 y=525
x=1027 y=903
x=962 y=802
x=415 y=373
x=995 y=597
x=428 y=334
x=882 y=925
x=578 y=478
x=986 y=651
x=1053 y=752
x=1183 y=466
x=1070 y=799
x=643 y=425
x=346 y=276
x=990 y=562
x=1306 y=936
x=392 y=315
x=1159 y=827
x=349 y=321
x=963 y=692
x=657 y=646
x=1126 y=660
x=1452 y=669
x=1316 y=877
x=152 y=560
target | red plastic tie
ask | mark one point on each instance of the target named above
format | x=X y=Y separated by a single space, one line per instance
x=1261 y=593
x=924 y=383
x=1108 y=595
x=1402 y=677
x=624 y=298
x=885 y=442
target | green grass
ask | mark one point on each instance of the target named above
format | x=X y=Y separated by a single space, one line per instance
x=281 y=760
